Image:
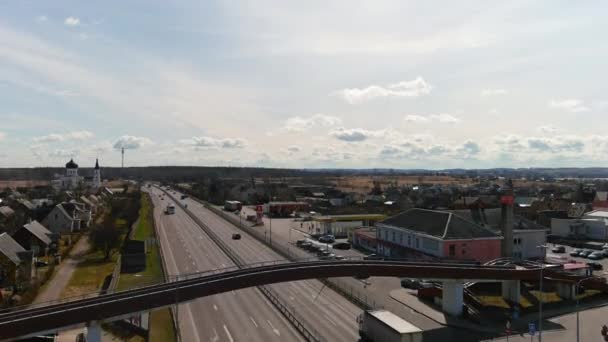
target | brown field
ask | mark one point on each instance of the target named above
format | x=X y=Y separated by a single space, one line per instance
x=14 y=184
x=363 y=184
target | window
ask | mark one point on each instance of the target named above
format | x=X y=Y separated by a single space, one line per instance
x=394 y=238
x=417 y=243
x=409 y=240
x=385 y=234
x=452 y=250
x=401 y=238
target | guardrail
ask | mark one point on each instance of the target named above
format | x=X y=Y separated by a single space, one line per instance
x=308 y=333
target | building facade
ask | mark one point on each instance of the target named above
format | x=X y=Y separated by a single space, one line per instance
x=72 y=180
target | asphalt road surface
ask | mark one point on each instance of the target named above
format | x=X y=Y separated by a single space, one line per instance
x=321 y=309
x=244 y=315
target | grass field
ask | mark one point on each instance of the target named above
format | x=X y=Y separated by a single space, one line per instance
x=161 y=322
x=89 y=274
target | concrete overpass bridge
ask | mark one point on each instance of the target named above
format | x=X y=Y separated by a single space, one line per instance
x=52 y=317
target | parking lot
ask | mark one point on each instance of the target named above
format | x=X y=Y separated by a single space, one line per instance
x=566 y=255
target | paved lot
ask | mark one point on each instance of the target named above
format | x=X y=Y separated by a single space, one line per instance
x=566 y=255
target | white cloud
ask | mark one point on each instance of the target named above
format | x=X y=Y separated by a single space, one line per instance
x=301 y=124
x=354 y=134
x=294 y=149
x=470 y=148
x=556 y=144
x=571 y=105
x=41 y=18
x=443 y=118
x=2 y=136
x=61 y=153
x=548 y=129
x=446 y=118
x=492 y=92
x=57 y=137
x=413 y=88
x=72 y=21
x=202 y=143
x=415 y=118
x=129 y=142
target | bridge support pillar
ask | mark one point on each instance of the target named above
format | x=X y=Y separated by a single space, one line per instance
x=93 y=332
x=511 y=290
x=566 y=291
x=452 y=299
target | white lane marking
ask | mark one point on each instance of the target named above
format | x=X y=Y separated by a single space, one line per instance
x=215 y=336
x=330 y=320
x=214 y=307
x=253 y=321
x=274 y=330
x=228 y=333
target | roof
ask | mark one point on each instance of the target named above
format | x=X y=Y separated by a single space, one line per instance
x=71 y=165
x=525 y=201
x=29 y=205
x=353 y=217
x=6 y=211
x=598 y=213
x=39 y=231
x=395 y=322
x=492 y=219
x=86 y=201
x=10 y=248
x=288 y=203
x=93 y=198
x=601 y=196
x=442 y=224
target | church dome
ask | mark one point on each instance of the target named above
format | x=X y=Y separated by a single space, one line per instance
x=71 y=165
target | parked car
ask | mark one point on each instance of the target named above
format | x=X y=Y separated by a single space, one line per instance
x=299 y=243
x=605 y=251
x=585 y=253
x=327 y=239
x=236 y=236
x=596 y=255
x=340 y=257
x=305 y=245
x=558 y=249
x=323 y=253
x=596 y=266
x=341 y=245
x=575 y=252
x=41 y=264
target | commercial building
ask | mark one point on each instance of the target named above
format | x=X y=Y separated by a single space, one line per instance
x=592 y=225
x=436 y=234
x=284 y=209
x=342 y=226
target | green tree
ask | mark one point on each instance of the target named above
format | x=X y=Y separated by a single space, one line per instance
x=105 y=237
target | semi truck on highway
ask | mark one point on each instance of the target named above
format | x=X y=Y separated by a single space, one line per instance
x=233 y=205
x=170 y=209
x=385 y=326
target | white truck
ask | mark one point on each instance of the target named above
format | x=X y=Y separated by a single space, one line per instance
x=170 y=209
x=385 y=326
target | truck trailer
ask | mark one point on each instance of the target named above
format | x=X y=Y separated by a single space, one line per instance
x=170 y=209
x=233 y=205
x=385 y=326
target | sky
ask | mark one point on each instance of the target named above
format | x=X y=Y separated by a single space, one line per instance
x=304 y=84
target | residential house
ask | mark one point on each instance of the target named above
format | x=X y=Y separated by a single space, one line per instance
x=15 y=262
x=426 y=233
x=35 y=237
x=88 y=204
x=7 y=219
x=67 y=217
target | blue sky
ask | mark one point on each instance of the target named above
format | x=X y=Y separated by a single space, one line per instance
x=304 y=84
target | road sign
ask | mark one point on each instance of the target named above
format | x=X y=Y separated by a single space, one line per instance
x=532 y=329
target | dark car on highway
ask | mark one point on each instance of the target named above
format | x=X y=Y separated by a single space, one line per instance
x=372 y=257
x=236 y=236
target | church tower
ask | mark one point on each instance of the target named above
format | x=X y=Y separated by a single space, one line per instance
x=96 y=175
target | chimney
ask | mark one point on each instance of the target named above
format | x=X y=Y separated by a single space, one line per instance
x=506 y=222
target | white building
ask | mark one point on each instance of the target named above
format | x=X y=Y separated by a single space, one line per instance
x=592 y=225
x=71 y=179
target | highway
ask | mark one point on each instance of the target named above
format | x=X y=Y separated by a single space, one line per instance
x=243 y=315
x=320 y=308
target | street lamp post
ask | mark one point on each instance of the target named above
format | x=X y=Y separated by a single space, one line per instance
x=540 y=302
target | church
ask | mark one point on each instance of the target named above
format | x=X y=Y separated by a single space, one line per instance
x=71 y=179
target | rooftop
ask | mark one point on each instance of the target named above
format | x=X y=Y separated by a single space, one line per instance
x=6 y=211
x=10 y=248
x=395 y=322
x=39 y=231
x=603 y=213
x=442 y=224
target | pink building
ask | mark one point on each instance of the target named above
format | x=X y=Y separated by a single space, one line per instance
x=417 y=233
